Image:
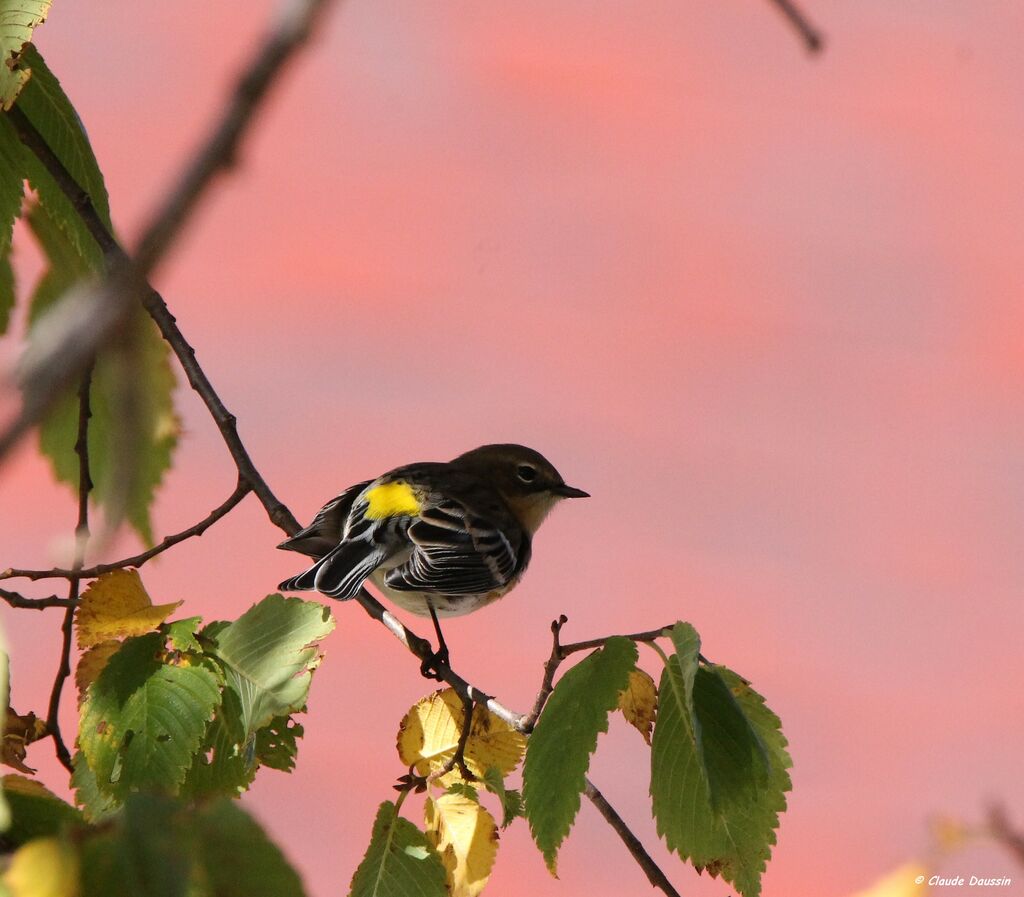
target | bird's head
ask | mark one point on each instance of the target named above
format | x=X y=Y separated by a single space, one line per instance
x=526 y=480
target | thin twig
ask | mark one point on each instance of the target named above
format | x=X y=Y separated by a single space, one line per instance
x=137 y=560
x=654 y=874
x=165 y=321
x=81 y=540
x=1004 y=832
x=16 y=599
x=547 y=685
x=813 y=39
x=127 y=278
x=219 y=150
x=649 y=636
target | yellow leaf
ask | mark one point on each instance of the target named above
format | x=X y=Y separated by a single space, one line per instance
x=430 y=733
x=19 y=732
x=638 y=702
x=45 y=867
x=465 y=836
x=906 y=881
x=91 y=664
x=116 y=606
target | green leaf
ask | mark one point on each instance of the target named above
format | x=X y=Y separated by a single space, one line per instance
x=134 y=429
x=558 y=753
x=277 y=743
x=511 y=800
x=144 y=719
x=181 y=634
x=5 y=691
x=222 y=766
x=162 y=847
x=269 y=654
x=148 y=849
x=35 y=811
x=18 y=19
x=11 y=190
x=399 y=861
x=6 y=290
x=44 y=103
x=229 y=759
x=95 y=805
x=237 y=859
x=718 y=768
x=464 y=789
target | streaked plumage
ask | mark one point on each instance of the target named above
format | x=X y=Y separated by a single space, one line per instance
x=454 y=535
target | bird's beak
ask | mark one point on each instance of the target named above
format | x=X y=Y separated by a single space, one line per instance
x=570 y=492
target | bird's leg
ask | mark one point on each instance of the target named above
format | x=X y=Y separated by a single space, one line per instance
x=432 y=664
x=459 y=757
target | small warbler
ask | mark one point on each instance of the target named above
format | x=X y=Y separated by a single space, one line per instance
x=442 y=539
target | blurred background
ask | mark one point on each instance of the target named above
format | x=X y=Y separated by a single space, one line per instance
x=764 y=307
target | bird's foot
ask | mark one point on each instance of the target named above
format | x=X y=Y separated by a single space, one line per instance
x=435 y=664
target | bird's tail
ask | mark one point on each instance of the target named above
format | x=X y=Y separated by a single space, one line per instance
x=340 y=573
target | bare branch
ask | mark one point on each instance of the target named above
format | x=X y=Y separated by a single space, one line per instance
x=158 y=310
x=81 y=540
x=219 y=150
x=811 y=36
x=649 y=636
x=137 y=560
x=1004 y=832
x=14 y=599
x=547 y=685
x=654 y=874
x=126 y=281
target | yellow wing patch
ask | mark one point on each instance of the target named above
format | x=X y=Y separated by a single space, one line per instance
x=391 y=500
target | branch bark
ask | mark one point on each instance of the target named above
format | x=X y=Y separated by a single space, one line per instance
x=16 y=599
x=81 y=541
x=651 y=869
x=813 y=39
x=126 y=281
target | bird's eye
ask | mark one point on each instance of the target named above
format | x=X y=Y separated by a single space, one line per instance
x=526 y=472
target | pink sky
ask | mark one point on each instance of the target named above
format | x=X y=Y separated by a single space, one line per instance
x=765 y=308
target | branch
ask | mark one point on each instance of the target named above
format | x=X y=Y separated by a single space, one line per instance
x=137 y=560
x=1005 y=833
x=654 y=874
x=14 y=599
x=126 y=281
x=813 y=39
x=165 y=321
x=524 y=723
x=220 y=148
x=81 y=539
x=421 y=648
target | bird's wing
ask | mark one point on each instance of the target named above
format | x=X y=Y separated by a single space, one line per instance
x=327 y=528
x=457 y=551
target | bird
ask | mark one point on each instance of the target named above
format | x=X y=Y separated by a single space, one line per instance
x=438 y=539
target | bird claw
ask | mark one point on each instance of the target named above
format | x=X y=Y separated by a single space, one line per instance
x=435 y=664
